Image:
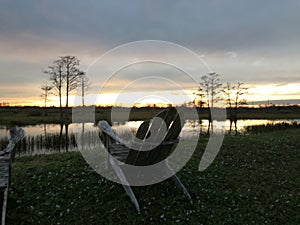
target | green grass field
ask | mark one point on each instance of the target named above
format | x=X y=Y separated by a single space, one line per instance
x=253 y=180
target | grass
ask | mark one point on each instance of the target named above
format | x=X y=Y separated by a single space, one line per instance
x=253 y=180
x=12 y=116
x=271 y=127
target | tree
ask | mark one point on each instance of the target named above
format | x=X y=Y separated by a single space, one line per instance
x=64 y=73
x=198 y=100
x=233 y=99
x=84 y=83
x=240 y=90
x=46 y=92
x=72 y=74
x=210 y=86
x=228 y=92
x=55 y=71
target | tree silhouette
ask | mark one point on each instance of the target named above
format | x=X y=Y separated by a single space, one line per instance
x=55 y=71
x=72 y=74
x=198 y=100
x=46 y=92
x=210 y=85
x=64 y=73
x=233 y=99
x=84 y=83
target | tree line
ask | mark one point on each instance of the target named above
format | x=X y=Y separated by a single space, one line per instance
x=212 y=91
x=64 y=75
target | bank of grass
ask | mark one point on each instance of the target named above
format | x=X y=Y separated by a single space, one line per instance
x=268 y=127
x=253 y=180
x=12 y=116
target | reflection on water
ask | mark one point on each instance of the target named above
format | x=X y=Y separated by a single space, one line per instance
x=50 y=138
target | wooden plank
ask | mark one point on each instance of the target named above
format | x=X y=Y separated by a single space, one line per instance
x=5 y=195
x=125 y=183
x=175 y=128
x=118 y=151
x=143 y=130
x=105 y=127
x=174 y=125
x=6 y=157
x=4 y=170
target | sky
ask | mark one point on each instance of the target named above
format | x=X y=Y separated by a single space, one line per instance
x=254 y=42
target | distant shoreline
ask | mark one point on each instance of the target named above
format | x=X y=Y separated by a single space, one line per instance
x=37 y=115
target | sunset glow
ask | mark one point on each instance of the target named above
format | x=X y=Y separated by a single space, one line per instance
x=254 y=94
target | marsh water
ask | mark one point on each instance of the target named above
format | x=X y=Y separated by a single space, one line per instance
x=52 y=138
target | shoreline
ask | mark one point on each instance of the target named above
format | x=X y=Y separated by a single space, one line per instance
x=11 y=116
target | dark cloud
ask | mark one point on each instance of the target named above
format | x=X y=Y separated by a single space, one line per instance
x=209 y=25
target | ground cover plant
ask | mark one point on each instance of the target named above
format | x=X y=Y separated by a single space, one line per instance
x=253 y=180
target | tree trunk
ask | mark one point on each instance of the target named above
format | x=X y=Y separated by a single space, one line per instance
x=60 y=95
x=60 y=136
x=60 y=104
x=67 y=89
x=67 y=136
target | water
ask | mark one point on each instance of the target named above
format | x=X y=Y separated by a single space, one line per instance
x=50 y=138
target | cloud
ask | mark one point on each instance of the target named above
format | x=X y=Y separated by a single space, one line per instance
x=249 y=41
x=201 y=25
x=232 y=55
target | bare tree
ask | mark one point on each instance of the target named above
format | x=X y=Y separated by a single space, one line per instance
x=240 y=90
x=55 y=71
x=233 y=99
x=228 y=92
x=71 y=74
x=46 y=92
x=64 y=73
x=198 y=100
x=210 y=85
x=84 y=84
